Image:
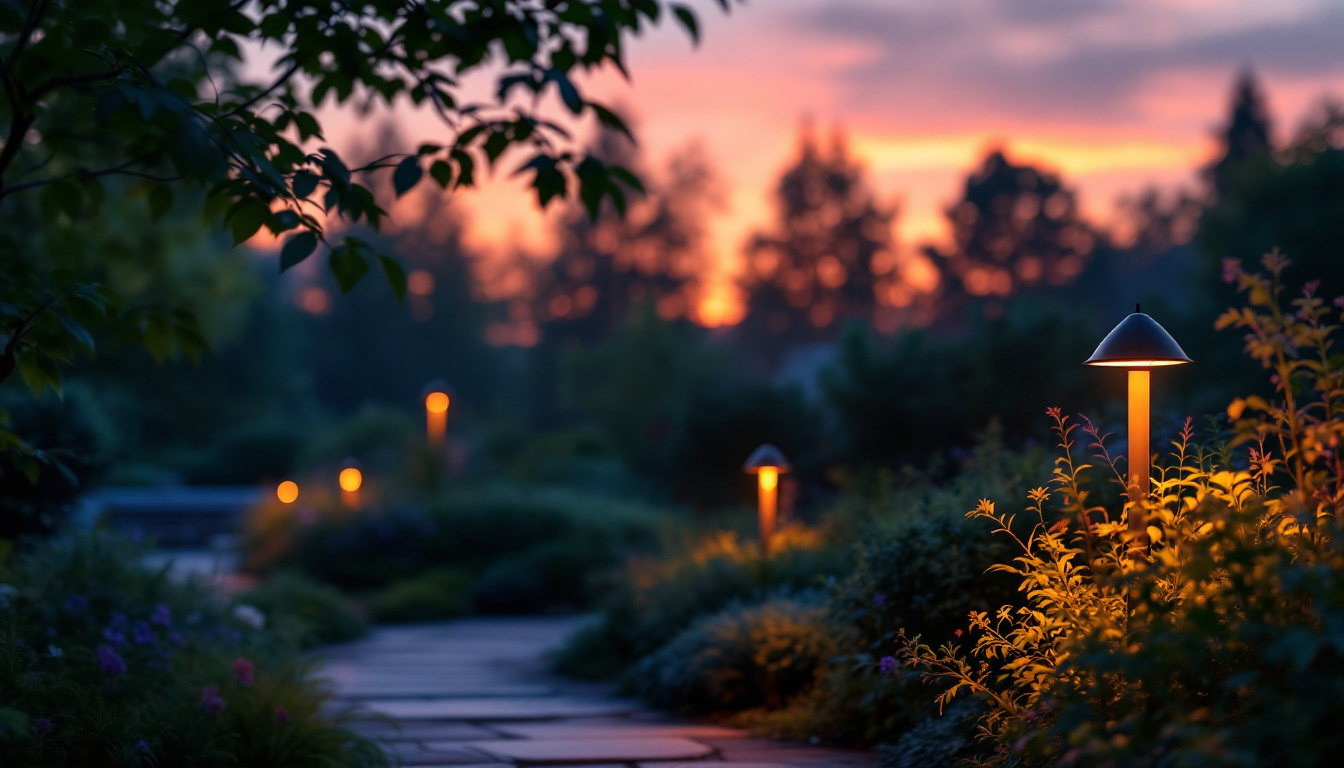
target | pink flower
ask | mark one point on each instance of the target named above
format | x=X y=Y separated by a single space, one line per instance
x=211 y=701
x=282 y=715
x=1231 y=270
x=244 y=671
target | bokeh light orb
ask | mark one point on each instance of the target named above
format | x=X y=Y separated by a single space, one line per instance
x=350 y=479
x=287 y=492
x=436 y=402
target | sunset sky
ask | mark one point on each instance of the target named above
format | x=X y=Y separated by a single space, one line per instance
x=1114 y=94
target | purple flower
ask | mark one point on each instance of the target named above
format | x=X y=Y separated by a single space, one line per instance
x=887 y=665
x=76 y=603
x=110 y=662
x=162 y=616
x=1339 y=302
x=175 y=638
x=43 y=726
x=118 y=620
x=245 y=671
x=114 y=637
x=879 y=599
x=1231 y=270
x=142 y=746
x=282 y=715
x=143 y=633
x=212 y=701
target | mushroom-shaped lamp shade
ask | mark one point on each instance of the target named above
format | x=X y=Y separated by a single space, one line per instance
x=767 y=456
x=1138 y=342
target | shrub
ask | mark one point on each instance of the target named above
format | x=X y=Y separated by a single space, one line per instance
x=1215 y=639
x=654 y=599
x=471 y=530
x=310 y=612
x=106 y=663
x=550 y=576
x=441 y=593
x=741 y=657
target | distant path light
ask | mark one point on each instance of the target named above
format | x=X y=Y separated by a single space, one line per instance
x=287 y=492
x=766 y=462
x=350 y=479
x=437 y=401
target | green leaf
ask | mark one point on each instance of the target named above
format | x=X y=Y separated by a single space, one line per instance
x=297 y=248
x=549 y=181
x=396 y=277
x=160 y=200
x=304 y=184
x=348 y=266
x=77 y=331
x=407 y=175
x=568 y=93
x=688 y=20
x=308 y=125
x=246 y=218
x=441 y=172
x=495 y=145
x=60 y=198
x=465 y=166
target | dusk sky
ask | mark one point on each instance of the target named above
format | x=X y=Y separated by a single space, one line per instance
x=1115 y=95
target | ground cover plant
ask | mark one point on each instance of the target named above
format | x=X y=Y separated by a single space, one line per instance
x=494 y=549
x=1217 y=643
x=104 y=662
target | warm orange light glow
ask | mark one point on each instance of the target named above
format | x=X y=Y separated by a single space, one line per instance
x=287 y=492
x=436 y=402
x=1139 y=458
x=1136 y=363
x=769 y=478
x=351 y=479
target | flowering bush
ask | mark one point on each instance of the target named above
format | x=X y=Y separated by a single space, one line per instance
x=1218 y=637
x=103 y=662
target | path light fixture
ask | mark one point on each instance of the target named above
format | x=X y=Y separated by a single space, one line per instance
x=766 y=462
x=287 y=492
x=1138 y=344
x=350 y=479
x=436 y=415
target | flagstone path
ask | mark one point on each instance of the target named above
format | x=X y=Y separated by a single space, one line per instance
x=477 y=693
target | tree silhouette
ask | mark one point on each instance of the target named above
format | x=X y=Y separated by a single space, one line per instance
x=829 y=254
x=608 y=267
x=1016 y=227
x=1246 y=136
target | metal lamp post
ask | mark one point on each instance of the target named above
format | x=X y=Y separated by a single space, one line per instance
x=766 y=462
x=1138 y=344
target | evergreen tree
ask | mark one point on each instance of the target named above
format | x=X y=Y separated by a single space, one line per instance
x=1246 y=136
x=827 y=257
x=1016 y=227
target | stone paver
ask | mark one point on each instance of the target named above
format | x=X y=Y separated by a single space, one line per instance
x=579 y=751
x=477 y=693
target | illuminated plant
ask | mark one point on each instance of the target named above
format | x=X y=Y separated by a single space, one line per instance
x=1119 y=657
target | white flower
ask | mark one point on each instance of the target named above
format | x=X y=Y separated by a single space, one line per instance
x=55 y=651
x=249 y=615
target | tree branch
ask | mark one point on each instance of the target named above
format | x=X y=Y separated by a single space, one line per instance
x=117 y=170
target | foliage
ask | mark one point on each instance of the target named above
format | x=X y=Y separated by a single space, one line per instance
x=829 y=257
x=1016 y=227
x=72 y=438
x=741 y=657
x=1194 y=640
x=655 y=599
x=920 y=563
x=915 y=395
x=437 y=594
x=151 y=102
x=313 y=614
x=534 y=545
x=107 y=663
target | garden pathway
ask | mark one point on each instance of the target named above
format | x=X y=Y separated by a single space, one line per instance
x=477 y=693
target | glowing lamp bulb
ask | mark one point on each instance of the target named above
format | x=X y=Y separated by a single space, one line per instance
x=350 y=479
x=436 y=402
x=769 y=478
x=287 y=492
